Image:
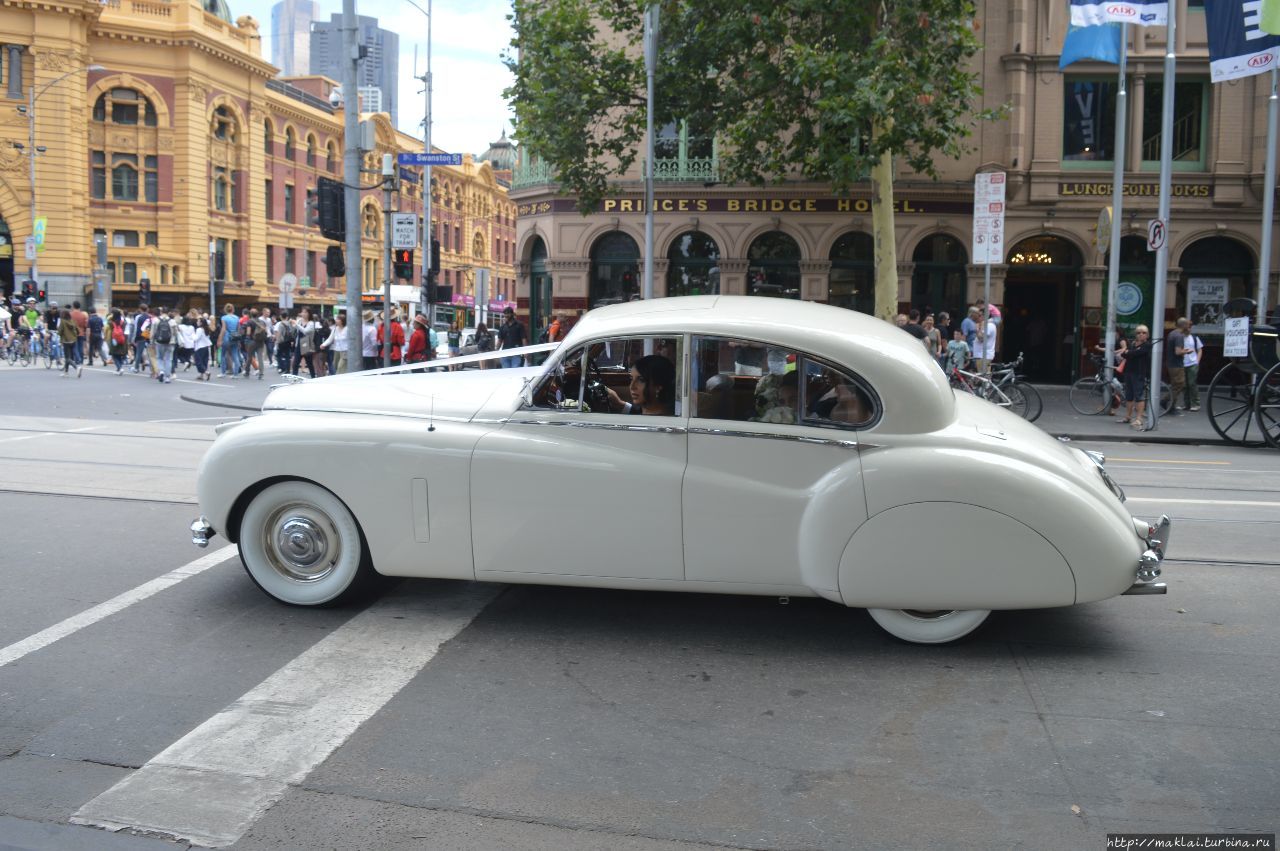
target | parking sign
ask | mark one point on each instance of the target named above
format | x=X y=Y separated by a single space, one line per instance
x=988 y=218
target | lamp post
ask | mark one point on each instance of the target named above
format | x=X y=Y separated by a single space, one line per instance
x=30 y=110
x=424 y=296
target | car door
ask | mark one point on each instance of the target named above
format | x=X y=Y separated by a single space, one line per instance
x=569 y=487
x=773 y=487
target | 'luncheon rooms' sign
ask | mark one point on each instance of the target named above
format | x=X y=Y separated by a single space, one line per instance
x=1178 y=190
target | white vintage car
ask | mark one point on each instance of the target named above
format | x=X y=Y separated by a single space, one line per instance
x=740 y=445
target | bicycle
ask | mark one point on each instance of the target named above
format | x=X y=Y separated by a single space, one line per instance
x=52 y=351
x=1004 y=375
x=19 y=350
x=1095 y=394
x=977 y=384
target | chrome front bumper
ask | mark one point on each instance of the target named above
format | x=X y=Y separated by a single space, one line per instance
x=1149 y=563
x=201 y=531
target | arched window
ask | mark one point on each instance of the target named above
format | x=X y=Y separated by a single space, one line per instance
x=290 y=144
x=125 y=106
x=773 y=266
x=851 y=282
x=372 y=227
x=1216 y=258
x=223 y=126
x=268 y=137
x=221 y=187
x=540 y=303
x=124 y=177
x=940 y=277
x=311 y=151
x=694 y=267
x=615 y=267
x=329 y=157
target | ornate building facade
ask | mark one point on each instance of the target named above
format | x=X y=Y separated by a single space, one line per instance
x=161 y=131
x=798 y=240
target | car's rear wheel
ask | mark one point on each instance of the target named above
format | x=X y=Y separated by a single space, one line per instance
x=929 y=627
x=301 y=545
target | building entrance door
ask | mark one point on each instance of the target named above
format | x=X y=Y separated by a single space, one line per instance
x=1040 y=308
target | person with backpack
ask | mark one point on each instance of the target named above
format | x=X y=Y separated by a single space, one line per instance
x=255 y=337
x=95 y=325
x=119 y=344
x=163 y=337
x=286 y=334
x=230 y=323
x=201 y=347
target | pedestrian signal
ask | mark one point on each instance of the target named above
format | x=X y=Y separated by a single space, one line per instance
x=404 y=263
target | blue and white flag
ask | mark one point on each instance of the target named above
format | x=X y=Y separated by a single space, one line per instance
x=1101 y=43
x=1144 y=13
x=1237 y=45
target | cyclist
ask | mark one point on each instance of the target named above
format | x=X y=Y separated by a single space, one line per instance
x=52 y=326
x=31 y=327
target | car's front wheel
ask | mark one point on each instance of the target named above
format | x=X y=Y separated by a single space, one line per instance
x=301 y=545
x=929 y=627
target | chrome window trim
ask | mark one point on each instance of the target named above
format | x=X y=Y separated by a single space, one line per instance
x=606 y=426
x=682 y=375
x=372 y=413
x=765 y=435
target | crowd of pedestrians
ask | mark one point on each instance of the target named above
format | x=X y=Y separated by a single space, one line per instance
x=238 y=343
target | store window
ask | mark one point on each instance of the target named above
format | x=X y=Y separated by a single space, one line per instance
x=1088 y=121
x=851 y=282
x=1215 y=270
x=773 y=266
x=694 y=265
x=615 y=268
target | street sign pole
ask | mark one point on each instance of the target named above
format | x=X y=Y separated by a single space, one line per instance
x=351 y=177
x=1117 y=207
x=988 y=231
x=1162 y=256
x=424 y=294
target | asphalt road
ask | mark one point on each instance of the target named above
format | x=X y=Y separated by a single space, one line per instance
x=142 y=681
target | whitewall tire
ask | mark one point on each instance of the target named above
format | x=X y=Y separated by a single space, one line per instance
x=920 y=627
x=301 y=545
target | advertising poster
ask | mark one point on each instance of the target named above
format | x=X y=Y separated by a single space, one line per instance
x=1205 y=297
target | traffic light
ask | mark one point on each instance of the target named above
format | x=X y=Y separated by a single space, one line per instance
x=144 y=290
x=40 y=295
x=332 y=216
x=404 y=263
x=334 y=263
x=313 y=209
x=435 y=255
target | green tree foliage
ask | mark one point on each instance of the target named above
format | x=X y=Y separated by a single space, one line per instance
x=793 y=89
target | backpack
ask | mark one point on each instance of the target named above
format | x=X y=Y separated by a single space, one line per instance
x=259 y=332
x=288 y=333
x=117 y=334
x=163 y=333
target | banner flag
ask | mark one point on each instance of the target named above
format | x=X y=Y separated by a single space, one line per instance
x=1143 y=13
x=1101 y=43
x=1271 y=17
x=1238 y=47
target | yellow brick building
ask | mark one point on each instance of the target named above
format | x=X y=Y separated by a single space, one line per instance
x=160 y=130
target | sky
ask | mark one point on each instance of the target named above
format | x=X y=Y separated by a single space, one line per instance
x=468 y=39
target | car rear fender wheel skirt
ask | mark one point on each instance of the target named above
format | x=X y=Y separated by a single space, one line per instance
x=937 y=627
x=301 y=545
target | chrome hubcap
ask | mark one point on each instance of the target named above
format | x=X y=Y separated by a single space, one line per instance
x=301 y=543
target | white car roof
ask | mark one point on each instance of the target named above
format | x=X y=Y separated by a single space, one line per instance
x=914 y=392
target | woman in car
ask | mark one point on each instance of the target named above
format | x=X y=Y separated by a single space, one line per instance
x=653 y=389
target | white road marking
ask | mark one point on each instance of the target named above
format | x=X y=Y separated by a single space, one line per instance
x=1232 y=471
x=86 y=428
x=88 y=617
x=28 y=437
x=210 y=786
x=1163 y=500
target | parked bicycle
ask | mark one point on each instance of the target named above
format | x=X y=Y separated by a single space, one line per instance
x=977 y=384
x=1096 y=395
x=1005 y=375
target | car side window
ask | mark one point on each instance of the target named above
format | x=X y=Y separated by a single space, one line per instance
x=834 y=398
x=745 y=381
x=624 y=375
